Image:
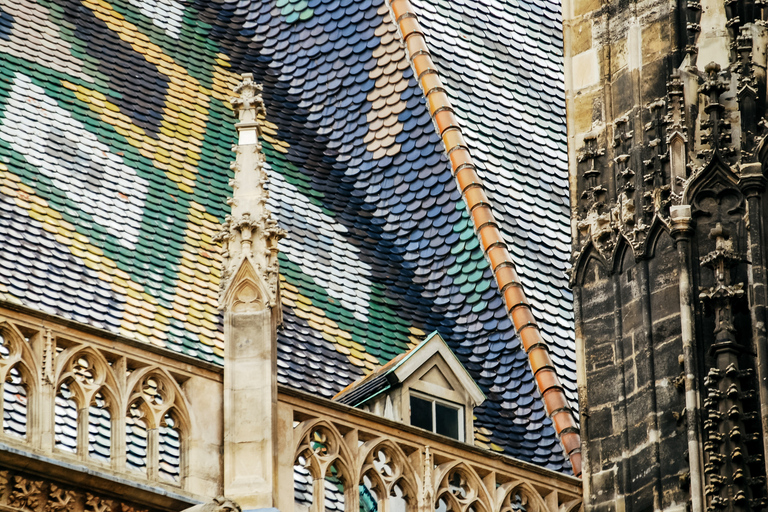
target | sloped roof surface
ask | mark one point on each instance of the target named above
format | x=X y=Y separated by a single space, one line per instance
x=114 y=160
x=502 y=65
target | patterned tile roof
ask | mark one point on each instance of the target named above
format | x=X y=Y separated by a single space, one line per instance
x=115 y=131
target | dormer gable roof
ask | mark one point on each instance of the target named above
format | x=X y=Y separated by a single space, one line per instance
x=407 y=365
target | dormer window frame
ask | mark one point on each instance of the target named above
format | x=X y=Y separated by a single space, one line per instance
x=460 y=408
x=429 y=371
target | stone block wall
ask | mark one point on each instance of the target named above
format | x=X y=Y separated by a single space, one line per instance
x=666 y=130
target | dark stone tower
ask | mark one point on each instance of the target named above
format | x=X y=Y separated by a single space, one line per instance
x=666 y=119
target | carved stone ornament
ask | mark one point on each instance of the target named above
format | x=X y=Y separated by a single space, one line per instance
x=60 y=500
x=249 y=236
x=124 y=507
x=26 y=494
x=22 y=493
x=599 y=226
x=95 y=503
x=248 y=101
x=218 y=504
x=597 y=222
x=248 y=290
x=428 y=492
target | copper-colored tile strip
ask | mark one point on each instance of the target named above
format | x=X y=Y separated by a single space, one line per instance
x=487 y=229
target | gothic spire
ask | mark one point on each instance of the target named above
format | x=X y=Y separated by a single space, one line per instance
x=249 y=234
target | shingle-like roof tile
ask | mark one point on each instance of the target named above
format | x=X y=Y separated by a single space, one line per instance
x=114 y=163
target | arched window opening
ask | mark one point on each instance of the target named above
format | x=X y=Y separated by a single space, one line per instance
x=303 y=486
x=397 y=499
x=65 y=419
x=5 y=349
x=169 y=449
x=384 y=485
x=83 y=369
x=15 y=403
x=369 y=494
x=443 y=505
x=136 y=438
x=334 y=490
x=153 y=391
x=457 y=485
x=99 y=428
x=517 y=501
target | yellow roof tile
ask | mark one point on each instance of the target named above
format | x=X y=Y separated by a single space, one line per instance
x=49 y=226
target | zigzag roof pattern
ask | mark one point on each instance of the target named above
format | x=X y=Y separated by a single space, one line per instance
x=115 y=132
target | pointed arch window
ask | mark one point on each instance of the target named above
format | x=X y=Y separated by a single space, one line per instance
x=16 y=383
x=303 y=486
x=15 y=403
x=65 y=419
x=136 y=434
x=83 y=416
x=155 y=426
x=388 y=481
x=99 y=428
x=169 y=448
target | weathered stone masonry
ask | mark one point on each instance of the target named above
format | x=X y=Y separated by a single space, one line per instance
x=666 y=107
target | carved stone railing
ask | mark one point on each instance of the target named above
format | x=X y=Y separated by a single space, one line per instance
x=334 y=452
x=79 y=401
x=93 y=422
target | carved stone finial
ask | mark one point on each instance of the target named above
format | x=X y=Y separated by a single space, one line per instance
x=248 y=105
x=249 y=236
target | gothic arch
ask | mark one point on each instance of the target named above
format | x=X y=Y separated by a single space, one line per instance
x=159 y=397
x=322 y=445
x=22 y=359
x=531 y=499
x=657 y=229
x=87 y=380
x=717 y=174
x=247 y=291
x=461 y=483
x=619 y=252
x=718 y=200
x=582 y=263
x=403 y=474
x=20 y=352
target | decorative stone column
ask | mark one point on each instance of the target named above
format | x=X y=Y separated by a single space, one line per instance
x=250 y=300
x=682 y=231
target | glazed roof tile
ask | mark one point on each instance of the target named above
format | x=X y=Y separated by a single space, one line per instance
x=115 y=140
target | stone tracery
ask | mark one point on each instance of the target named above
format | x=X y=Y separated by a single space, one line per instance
x=388 y=481
x=93 y=399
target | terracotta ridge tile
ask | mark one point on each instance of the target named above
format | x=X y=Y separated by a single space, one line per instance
x=486 y=227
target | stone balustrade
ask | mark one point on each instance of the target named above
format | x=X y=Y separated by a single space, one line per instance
x=339 y=458
x=95 y=408
x=93 y=421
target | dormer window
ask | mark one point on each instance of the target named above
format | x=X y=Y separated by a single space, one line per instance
x=438 y=416
x=426 y=387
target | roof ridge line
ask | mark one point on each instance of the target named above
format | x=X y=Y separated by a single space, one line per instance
x=495 y=248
